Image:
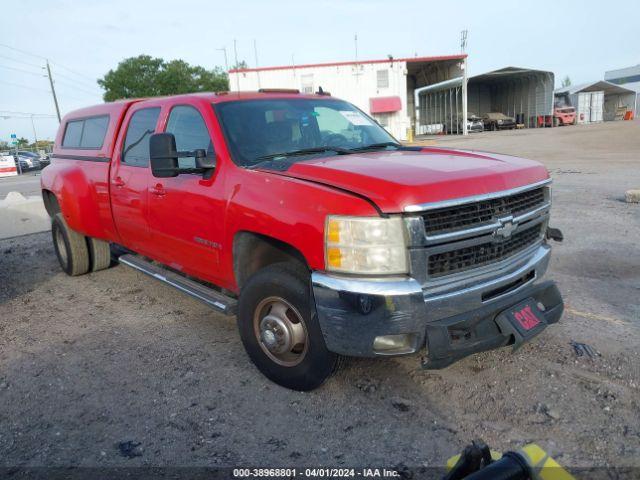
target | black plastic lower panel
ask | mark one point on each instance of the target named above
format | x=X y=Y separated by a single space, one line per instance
x=451 y=339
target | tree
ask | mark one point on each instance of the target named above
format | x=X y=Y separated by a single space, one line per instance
x=566 y=81
x=145 y=76
x=22 y=142
x=241 y=65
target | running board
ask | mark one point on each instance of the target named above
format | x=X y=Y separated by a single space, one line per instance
x=216 y=300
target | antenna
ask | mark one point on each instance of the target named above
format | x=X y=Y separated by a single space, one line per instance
x=463 y=41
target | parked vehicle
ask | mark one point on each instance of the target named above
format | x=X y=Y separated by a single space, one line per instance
x=45 y=161
x=564 y=116
x=498 y=121
x=27 y=162
x=304 y=217
x=474 y=124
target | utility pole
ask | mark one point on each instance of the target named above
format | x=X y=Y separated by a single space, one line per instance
x=35 y=137
x=463 y=47
x=53 y=91
x=226 y=62
x=355 y=40
x=235 y=52
x=255 y=53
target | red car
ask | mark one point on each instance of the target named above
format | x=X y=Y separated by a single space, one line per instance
x=307 y=220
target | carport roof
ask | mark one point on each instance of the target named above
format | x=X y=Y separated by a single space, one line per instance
x=409 y=60
x=598 y=86
x=506 y=72
x=494 y=75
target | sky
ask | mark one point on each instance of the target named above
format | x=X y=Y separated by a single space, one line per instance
x=83 y=39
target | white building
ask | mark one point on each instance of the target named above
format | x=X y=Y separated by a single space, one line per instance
x=630 y=78
x=598 y=101
x=383 y=88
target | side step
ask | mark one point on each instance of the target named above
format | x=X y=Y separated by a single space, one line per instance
x=216 y=300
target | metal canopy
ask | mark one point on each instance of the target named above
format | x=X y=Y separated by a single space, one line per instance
x=598 y=86
x=514 y=91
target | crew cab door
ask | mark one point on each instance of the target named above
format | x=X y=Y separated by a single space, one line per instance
x=130 y=174
x=186 y=212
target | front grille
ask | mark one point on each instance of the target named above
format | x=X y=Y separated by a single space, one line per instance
x=469 y=215
x=462 y=259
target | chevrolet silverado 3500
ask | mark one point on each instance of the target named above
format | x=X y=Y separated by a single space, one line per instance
x=303 y=217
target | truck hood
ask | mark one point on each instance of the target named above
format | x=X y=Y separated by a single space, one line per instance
x=394 y=180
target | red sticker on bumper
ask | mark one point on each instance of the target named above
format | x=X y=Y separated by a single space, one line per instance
x=526 y=318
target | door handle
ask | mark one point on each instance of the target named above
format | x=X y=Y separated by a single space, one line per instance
x=118 y=182
x=158 y=190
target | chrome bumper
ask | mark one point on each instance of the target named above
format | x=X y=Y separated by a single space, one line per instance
x=354 y=311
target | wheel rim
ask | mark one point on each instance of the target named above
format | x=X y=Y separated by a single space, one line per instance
x=280 y=331
x=62 y=247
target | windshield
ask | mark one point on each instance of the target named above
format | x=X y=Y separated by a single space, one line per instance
x=261 y=129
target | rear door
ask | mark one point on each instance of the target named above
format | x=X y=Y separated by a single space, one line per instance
x=186 y=212
x=130 y=175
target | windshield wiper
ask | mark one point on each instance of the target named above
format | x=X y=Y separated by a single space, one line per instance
x=306 y=151
x=267 y=159
x=375 y=146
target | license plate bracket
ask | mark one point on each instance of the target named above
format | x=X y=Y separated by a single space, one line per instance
x=523 y=320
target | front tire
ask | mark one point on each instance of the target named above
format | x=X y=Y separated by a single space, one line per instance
x=280 y=330
x=70 y=246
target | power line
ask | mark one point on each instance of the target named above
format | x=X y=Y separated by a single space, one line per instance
x=20 y=61
x=22 y=70
x=40 y=90
x=73 y=71
x=82 y=83
x=22 y=51
x=3 y=115
x=26 y=113
x=75 y=87
x=24 y=86
x=45 y=58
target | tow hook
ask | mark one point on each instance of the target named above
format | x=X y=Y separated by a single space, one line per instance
x=554 y=234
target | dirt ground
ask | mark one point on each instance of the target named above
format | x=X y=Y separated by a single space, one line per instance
x=91 y=363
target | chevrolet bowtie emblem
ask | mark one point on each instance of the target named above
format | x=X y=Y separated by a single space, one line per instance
x=507 y=227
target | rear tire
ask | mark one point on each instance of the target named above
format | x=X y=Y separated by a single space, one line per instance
x=275 y=297
x=99 y=254
x=70 y=246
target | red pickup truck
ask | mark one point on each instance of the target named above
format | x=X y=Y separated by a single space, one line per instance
x=303 y=217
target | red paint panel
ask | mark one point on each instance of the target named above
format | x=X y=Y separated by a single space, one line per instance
x=385 y=104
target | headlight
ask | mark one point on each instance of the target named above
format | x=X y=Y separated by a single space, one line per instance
x=365 y=245
x=499 y=122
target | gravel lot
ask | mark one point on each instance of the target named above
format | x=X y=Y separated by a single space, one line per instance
x=88 y=364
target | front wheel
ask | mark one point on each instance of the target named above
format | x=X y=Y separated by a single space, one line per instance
x=280 y=330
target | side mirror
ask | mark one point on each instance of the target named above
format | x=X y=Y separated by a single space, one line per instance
x=205 y=164
x=202 y=161
x=163 y=155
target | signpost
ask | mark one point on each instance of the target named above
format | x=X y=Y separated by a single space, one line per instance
x=14 y=142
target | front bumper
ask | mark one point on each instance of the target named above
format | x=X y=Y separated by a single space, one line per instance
x=452 y=324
